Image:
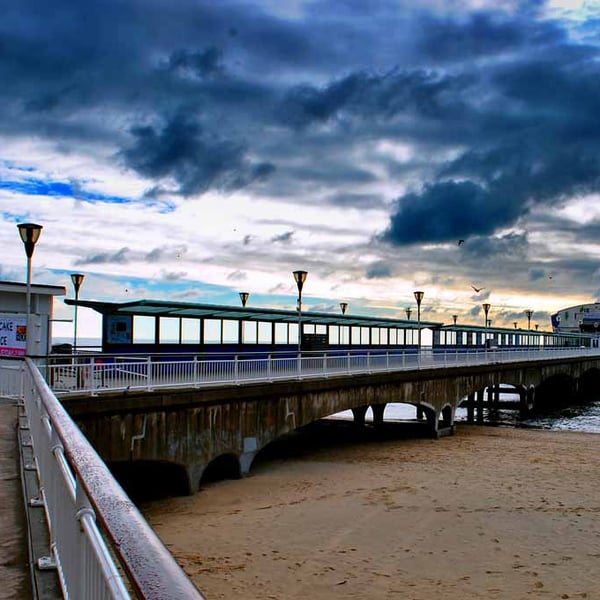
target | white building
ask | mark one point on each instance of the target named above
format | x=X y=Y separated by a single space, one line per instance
x=583 y=317
x=13 y=318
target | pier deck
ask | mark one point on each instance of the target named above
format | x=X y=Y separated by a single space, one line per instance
x=14 y=572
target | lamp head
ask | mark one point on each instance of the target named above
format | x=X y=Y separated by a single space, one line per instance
x=77 y=279
x=244 y=297
x=343 y=307
x=30 y=234
x=300 y=277
x=419 y=296
x=486 y=307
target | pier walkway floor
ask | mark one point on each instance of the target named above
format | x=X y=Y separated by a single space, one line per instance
x=14 y=569
x=23 y=528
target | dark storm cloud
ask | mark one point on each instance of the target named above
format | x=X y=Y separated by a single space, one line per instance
x=203 y=64
x=499 y=109
x=196 y=160
x=283 y=238
x=378 y=270
x=538 y=146
x=512 y=245
x=359 y=201
x=537 y=274
x=480 y=34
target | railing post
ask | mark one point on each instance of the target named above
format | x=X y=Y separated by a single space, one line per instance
x=92 y=376
x=149 y=372
x=269 y=366
x=195 y=376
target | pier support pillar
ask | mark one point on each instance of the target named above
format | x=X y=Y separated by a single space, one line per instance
x=378 y=410
x=479 y=406
x=359 y=415
x=247 y=456
x=471 y=408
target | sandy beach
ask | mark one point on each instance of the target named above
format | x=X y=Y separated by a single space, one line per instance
x=487 y=513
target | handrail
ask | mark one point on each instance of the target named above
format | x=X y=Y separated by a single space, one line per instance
x=109 y=373
x=150 y=568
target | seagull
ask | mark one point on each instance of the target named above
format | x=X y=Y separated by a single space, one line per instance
x=477 y=290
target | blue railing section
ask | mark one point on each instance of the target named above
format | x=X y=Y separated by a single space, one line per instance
x=102 y=373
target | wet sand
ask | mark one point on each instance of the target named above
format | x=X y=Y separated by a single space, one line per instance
x=487 y=513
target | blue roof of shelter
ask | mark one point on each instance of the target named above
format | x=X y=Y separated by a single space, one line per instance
x=165 y=308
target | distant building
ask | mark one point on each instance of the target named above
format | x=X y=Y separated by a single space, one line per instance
x=580 y=318
x=13 y=318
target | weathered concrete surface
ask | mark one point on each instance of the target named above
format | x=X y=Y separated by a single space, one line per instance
x=190 y=428
x=14 y=570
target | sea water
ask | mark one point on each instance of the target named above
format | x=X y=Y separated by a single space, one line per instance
x=583 y=417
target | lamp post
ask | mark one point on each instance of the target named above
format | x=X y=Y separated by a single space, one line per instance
x=515 y=324
x=528 y=314
x=244 y=298
x=30 y=234
x=300 y=277
x=408 y=312
x=77 y=279
x=343 y=307
x=418 y=297
x=486 y=310
x=454 y=318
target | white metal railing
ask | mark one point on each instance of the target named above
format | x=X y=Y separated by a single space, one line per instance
x=101 y=545
x=106 y=373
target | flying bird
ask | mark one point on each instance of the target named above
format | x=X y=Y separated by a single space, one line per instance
x=477 y=290
x=461 y=242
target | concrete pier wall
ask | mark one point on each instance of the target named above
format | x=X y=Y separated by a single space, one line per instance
x=191 y=428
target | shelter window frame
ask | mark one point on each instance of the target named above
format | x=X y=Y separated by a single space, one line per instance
x=265 y=332
x=282 y=333
x=212 y=333
x=249 y=332
x=392 y=336
x=190 y=331
x=333 y=335
x=230 y=331
x=169 y=330
x=384 y=336
x=365 y=335
x=345 y=334
x=144 y=329
x=375 y=336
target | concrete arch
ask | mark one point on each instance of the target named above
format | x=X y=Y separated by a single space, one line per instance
x=224 y=466
x=555 y=391
x=446 y=418
x=588 y=384
x=151 y=479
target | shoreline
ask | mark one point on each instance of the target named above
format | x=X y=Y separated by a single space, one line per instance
x=495 y=512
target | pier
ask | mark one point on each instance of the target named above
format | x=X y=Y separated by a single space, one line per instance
x=177 y=430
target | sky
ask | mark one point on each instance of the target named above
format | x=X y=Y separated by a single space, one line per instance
x=191 y=149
